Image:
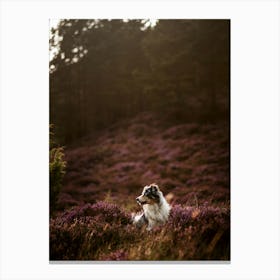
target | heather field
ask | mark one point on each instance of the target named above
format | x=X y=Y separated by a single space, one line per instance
x=105 y=173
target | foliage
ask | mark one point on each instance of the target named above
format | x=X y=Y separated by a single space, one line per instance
x=107 y=70
x=57 y=167
x=104 y=232
x=189 y=64
x=190 y=161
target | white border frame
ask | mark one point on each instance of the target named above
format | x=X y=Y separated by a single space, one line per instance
x=254 y=138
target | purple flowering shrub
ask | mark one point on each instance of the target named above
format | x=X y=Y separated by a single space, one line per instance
x=82 y=232
x=119 y=255
x=203 y=230
x=103 y=231
x=185 y=159
x=106 y=172
x=100 y=211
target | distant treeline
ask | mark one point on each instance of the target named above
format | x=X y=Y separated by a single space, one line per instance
x=106 y=70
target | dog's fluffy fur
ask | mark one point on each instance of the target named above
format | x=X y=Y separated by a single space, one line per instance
x=155 y=208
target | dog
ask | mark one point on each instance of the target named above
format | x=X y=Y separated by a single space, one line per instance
x=155 y=208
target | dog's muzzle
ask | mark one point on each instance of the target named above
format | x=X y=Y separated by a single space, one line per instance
x=140 y=202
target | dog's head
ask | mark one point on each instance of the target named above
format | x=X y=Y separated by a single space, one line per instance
x=150 y=195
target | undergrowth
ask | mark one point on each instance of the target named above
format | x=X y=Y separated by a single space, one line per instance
x=104 y=231
x=190 y=163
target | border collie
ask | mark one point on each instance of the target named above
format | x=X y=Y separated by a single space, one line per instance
x=155 y=208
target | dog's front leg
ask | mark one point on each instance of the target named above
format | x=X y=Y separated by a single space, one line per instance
x=139 y=220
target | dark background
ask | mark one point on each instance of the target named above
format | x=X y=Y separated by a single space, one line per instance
x=107 y=70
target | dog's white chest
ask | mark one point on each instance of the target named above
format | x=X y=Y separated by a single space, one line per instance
x=156 y=213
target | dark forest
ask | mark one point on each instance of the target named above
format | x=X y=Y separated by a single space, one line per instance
x=107 y=70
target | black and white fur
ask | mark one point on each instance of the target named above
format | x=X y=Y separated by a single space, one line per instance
x=155 y=208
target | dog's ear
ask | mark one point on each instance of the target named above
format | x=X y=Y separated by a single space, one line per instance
x=155 y=187
x=146 y=187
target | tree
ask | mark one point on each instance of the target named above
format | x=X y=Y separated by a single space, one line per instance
x=189 y=63
x=106 y=70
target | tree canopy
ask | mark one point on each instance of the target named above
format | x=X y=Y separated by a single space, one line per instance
x=106 y=70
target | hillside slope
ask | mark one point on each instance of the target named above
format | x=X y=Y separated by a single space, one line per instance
x=190 y=163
